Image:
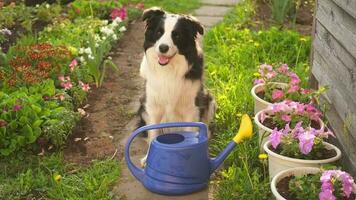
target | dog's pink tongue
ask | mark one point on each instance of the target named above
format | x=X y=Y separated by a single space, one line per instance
x=163 y=60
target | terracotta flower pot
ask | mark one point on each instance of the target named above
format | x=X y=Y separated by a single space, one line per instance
x=278 y=163
x=264 y=131
x=261 y=104
x=299 y=171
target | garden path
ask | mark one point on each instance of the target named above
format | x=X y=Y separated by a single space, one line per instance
x=103 y=133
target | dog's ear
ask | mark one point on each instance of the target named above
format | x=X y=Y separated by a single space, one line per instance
x=152 y=12
x=195 y=24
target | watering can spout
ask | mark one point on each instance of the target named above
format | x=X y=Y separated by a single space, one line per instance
x=244 y=132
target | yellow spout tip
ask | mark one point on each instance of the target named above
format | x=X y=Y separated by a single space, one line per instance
x=245 y=130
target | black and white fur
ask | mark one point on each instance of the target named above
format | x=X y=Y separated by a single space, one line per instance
x=172 y=67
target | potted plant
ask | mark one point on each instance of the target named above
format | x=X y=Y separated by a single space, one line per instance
x=313 y=183
x=299 y=147
x=274 y=86
x=278 y=115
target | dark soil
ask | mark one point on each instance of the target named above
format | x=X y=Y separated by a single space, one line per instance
x=304 y=18
x=283 y=190
x=326 y=154
x=110 y=106
x=271 y=124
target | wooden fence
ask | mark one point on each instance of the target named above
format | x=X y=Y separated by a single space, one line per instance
x=334 y=65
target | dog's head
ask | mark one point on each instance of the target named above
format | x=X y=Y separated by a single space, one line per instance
x=170 y=34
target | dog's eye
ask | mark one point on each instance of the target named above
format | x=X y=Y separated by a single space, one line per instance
x=175 y=35
x=159 y=33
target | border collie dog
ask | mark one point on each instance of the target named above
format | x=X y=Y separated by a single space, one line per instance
x=172 y=67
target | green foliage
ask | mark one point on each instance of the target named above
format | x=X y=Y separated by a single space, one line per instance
x=181 y=6
x=26 y=112
x=233 y=54
x=305 y=187
x=290 y=147
x=71 y=34
x=24 y=16
x=34 y=177
x=283 y=8
x=98 y=9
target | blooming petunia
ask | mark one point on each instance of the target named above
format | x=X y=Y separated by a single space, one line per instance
x=258 y=81
x=286 y=118
x=271 y=75
x=275 y=138
x=295 y=80
x=277 y=94
x=293 y=88
x=326 y=195
x=347 y=183
x=306 y=142
x=283 y=69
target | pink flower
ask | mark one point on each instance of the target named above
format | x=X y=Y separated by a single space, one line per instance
x=283 y=69
x=16 y=108
x=73 y=64
x=294 y=78
x=61 y=78
x=270 y=75
x=298 y=129
x=264 y=69
x=277 y=94
x=286 y=118
x=306 y=91
x=306 y=142
x=67 y=85
x=275 y=138
x=327 y=186
x=258 y=81
x=347 y=183
x=84 y=86
x=293 y=88
x=119 y=12
x=326 y=195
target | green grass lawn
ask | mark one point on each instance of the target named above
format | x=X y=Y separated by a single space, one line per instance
x=233 y=52
x=50 y=177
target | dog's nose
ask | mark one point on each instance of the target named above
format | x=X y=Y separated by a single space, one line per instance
x=163 y=48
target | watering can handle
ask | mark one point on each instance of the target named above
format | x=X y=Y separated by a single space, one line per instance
x=138 y=172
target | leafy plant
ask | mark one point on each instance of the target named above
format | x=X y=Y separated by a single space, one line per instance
x=330 y=184
x=98 y=9
x=282 y=8
x=35 y=63
x=29 y=112
x=290 y=91
x=292 y=113
x=299 y=142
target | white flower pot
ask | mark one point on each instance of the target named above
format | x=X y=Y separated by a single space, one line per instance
x=264 y=131
x=278 y=163
x=261 y=104
x=299 y=171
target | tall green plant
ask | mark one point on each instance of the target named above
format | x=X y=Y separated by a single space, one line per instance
x=282 y=8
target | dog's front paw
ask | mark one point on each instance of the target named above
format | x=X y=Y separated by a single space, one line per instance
x=143 y=161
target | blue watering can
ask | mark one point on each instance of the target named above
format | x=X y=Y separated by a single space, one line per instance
x=178 y=163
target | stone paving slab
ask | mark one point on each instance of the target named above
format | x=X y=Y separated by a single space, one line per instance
x=209 y=21
x=208 y=10
x=220 y=2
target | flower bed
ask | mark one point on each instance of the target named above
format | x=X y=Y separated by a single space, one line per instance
x=45 y=79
